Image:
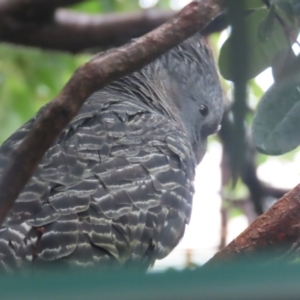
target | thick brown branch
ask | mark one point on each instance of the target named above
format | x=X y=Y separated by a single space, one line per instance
x=34 y=23
x=278 y=228
x=26 y=7
x=75 y=32
x=89 y=78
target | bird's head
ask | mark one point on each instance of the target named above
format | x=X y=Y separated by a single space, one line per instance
x=184 y=84
x=194 y=89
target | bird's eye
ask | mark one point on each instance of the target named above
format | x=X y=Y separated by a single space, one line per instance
x=203 y=110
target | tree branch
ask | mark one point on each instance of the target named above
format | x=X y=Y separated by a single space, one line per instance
x=89 y=78
x=258 y=190
x=31 y=7
x=278 y=228
x=75 y=32
x=40 y=24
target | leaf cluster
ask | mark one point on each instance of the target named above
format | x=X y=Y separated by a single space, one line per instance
x=272 y=28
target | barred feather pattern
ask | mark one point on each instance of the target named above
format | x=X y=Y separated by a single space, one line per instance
x=116 y=188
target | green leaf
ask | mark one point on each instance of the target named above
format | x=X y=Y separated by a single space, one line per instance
x=266 y=26
x=88 y=6
x=292 y=7
x=235 y=212
x=253 y=4
x=28 y=79
x=284 y=63
x=276 y=123
x=261 y=51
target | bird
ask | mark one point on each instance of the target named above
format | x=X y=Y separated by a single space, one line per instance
x=115 y=189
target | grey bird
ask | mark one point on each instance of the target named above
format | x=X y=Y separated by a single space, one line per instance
x=116 y=187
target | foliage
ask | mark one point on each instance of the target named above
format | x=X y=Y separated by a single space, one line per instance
x=271 y=31
x=29 y=78
x=277 y=121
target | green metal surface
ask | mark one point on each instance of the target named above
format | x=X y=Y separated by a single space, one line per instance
x=242 y=281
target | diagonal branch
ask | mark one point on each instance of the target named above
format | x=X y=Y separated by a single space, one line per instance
x=87 y=79
x=278 y=228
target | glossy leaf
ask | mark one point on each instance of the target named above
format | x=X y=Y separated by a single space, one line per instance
x=263 y=45
x=292 y=7
x=276 y=123
x=254 y=4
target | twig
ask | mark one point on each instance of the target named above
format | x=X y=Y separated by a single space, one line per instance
x=89 y=78
x=248 y=172
x=224 y=227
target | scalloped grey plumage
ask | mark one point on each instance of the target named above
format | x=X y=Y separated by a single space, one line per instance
x=116 y=187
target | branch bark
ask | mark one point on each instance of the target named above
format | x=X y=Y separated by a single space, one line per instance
x=39 y=23
x=75 y=32
x=278 y=228
x=29 y=7
x=258 y=190
x=89 y=78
